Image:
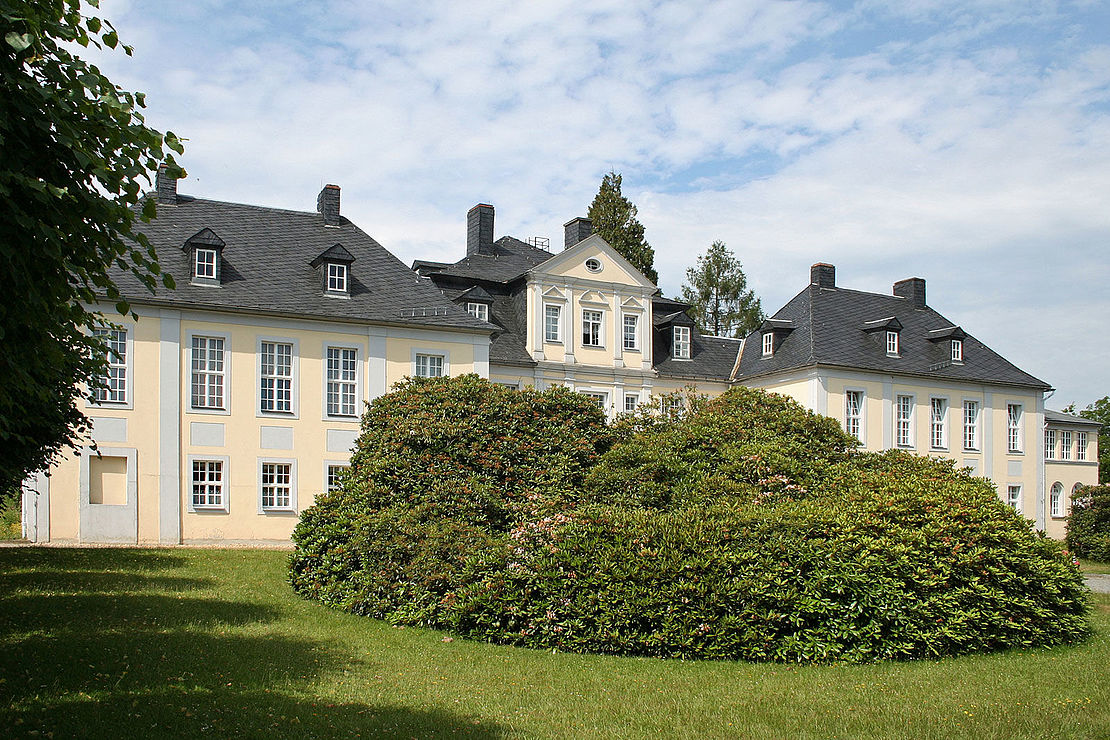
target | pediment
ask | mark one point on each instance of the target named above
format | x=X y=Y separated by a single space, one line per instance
x=592 y=259
x=594 y=296
x=632 y=303
x=555 y=293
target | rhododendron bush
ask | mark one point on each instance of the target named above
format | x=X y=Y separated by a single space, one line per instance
x=749 y=528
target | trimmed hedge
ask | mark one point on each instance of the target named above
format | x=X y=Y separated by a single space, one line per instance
x=749 y=529
x=1089 y=523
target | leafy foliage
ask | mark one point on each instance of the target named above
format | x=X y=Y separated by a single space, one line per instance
x=614 y=217
x=717 y=291
x=748 y=528
x=1100 y=411
x=1089 y=523
x=76 y=149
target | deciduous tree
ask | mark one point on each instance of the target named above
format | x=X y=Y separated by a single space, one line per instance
x=717 y=289
x=614 y=218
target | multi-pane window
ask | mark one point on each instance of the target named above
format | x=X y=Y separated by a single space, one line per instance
x=335 y=476
x=277 y=486
x=1049 y=444
x=429 y=366
x=337 y=277
x=276 y=371
x=631 y=331
x=207 y=377
x=853 y=413
x=208 y=484
x=1013 y=427
x=971 y=425
x=552 y=323
x=957 y=350
x=601 y=399
x=682 y=342
x=1065 y=444
x=904 y=421
x=938 y=426
x=631 y=400
x=768 y=344
x=204 y=265
x=1056 y=500
x=113 y=387
x=1080 y=445
x=342 y=369
x=1013 y=496
x=478 y=310
x=591 y=328
x=892 y=342
x=673 y=406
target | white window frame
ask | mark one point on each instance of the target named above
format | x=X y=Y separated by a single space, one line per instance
x=601 y=397
x=855 y=420
x=126 y=366
x=292 y=504
x=558 y=325
x=479 y=311
x=328 y=465
x=225 y=487
x=338 y=278
x=599 y=323
x=631 y=401
x=426 y=358
x=1049 y=444
x=893 y=346
x=223 y=374
x=355 y=383
x=938 y=427
x=957 y=350
x=294 y=378
x=1065 y=445
x=1081 y=446
x=1013 y=496
x=198 y=264
x=673 y=405
x=1056 y=501
x=682 y=343
x=1015 y=436
x=904 y=423
x=768 y=343
x=970 y=429
x=630 y=341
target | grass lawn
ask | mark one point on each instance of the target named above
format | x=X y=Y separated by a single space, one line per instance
x=1091 y=566
x=195 y=643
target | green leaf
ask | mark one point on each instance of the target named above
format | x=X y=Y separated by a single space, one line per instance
x=123 y=307
x=111 y=39
x=18 y=41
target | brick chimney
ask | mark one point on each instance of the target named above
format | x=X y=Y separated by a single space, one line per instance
x=327 y=204
x=165 y=187
x=912 y=289
x=822 y=275
x=576 y=230
x=479 y=230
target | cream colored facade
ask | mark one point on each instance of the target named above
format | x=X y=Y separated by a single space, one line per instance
x=1071 y=462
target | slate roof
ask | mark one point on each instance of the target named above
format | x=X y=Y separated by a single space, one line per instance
x=1062 y=418
x=828 y=331
x=510 y=259
x=711 y=358
x=265 y=268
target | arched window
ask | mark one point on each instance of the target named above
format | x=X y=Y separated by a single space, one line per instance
x=1056 y=499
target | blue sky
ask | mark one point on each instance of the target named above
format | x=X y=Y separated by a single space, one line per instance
x=963 y=141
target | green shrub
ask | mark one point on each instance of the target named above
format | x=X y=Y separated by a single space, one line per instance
x=1089 y=523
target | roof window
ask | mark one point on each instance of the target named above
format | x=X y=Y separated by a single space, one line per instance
x=334 y=265
x=204 y=249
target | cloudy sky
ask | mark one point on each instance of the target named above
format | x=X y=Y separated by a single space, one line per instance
x=963 y=141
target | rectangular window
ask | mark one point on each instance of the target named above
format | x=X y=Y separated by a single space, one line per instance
x=277 y=486
x=114 y=383
x=591 y=328
x=552 y=323
x=971 y=425
x=1065 y=445
x=1013 y=427
x=342 y=369
x=208 y=484
x=957 y=350
x=205 y=264
x=337 y=277
x=277 y=377
x=207 y=381
x=904 y=421
x=429 y=366
x=1013 y=497
x=853 y=413
x=939 y=423
x=335 y=476
x=682 y=342
x=768 y=344
x=631 y=331
x=478 y=311
x=1050 y=444
x=1081 y=446
x=892 y=343
x=631 y=400
x=673 y=406
x=601 y=399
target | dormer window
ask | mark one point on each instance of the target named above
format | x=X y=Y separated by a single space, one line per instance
x=334 y=266
x=478 y=310
x=205 y=248
x=681 y=343
x=337 y=277
x=768 y=344
x=957 y=350
x=892 y=347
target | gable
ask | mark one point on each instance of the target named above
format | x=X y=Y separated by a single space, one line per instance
x=593 y=252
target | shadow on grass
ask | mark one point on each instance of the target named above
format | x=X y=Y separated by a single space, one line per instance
x=103 y=661
x=100 y=558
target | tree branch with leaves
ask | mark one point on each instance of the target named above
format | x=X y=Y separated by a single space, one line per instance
x=717 y=290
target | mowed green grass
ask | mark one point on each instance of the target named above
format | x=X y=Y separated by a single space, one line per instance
x=212 y=643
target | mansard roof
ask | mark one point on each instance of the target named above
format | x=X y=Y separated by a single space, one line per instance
x=830 y=329
x=1058 y=417
x=265 y=268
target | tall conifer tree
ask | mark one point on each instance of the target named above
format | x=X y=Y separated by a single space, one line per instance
x=614 y=218
x=717 y=288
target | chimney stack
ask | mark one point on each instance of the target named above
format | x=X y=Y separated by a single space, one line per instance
x=576 y=230
x=165 y=187
x=327 y=203
x=822 y=275
x=479 y=230
x=912 y=289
